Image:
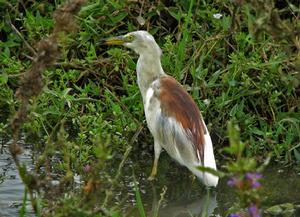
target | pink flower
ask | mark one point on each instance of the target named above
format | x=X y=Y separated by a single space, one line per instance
x=87 y=168
x=252 y=178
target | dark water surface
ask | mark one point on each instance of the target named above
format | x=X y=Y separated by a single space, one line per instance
x=175 y=192
x=187 y=197
x=11 y=186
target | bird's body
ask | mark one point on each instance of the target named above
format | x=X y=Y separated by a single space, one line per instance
x=172 y=116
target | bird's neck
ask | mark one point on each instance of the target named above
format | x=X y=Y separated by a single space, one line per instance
x=148 y=70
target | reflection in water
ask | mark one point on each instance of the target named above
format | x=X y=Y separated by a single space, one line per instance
x=185 y=197
x=204 y=206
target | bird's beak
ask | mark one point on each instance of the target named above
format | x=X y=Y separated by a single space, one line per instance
x=119 y=40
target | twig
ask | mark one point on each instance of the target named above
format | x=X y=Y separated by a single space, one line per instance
x=121 y=165
x=23 y=39
x=102 y=210
x=122 y=105
x=162 y=195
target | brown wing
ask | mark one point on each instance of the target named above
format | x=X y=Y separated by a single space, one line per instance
x=176 y=102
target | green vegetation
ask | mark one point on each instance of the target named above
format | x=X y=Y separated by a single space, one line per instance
x=88 y=118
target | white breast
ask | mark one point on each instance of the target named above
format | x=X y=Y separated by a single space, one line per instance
x=152 y=110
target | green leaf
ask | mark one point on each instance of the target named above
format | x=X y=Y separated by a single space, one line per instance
x=138 y=197
x=3 y=78
x=243 y=165
x=297 y=155
x=175 y=13
x=211 y=171
x=118 y=18
x=236 y=146
x=22 y=211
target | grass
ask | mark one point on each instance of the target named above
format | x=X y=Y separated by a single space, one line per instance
x=244 y=66
x=138 y=197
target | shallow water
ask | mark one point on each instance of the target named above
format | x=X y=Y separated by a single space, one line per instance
x=184 y=196
x=11 y=186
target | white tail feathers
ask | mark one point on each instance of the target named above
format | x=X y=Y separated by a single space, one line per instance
x=209 y=161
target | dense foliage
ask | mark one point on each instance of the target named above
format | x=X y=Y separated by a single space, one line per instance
x=240 y=60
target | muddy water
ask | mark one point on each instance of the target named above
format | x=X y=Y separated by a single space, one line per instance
x=175 y=192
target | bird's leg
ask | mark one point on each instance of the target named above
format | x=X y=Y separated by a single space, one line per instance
x=157 y=150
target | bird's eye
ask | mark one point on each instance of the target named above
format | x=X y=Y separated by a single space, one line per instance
x=130 y=38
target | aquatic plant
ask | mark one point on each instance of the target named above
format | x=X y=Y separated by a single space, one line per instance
x=244 y=178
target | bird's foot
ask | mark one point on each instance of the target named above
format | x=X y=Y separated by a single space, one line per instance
x=151 y=178
x=153 y=171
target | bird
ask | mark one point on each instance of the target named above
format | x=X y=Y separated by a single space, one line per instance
x=172 y=115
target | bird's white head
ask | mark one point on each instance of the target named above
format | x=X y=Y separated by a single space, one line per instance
x=142 y=42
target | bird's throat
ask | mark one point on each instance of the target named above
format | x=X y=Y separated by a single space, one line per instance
x=148 y=70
